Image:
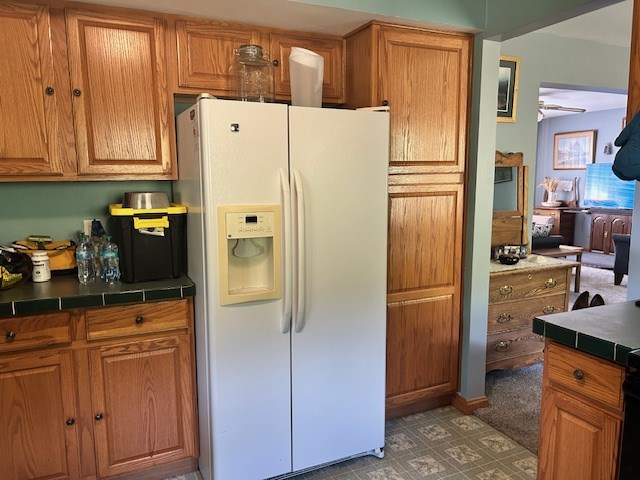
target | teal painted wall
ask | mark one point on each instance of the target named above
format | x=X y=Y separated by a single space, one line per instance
x=57 y=209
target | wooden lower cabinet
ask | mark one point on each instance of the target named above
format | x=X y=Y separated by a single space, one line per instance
x=581 y=416
x=120 y=405
x=603 y=226
x=516 y=295
x=38 y=416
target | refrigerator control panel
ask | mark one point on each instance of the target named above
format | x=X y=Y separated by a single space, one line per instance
x=249 y=253
x=249 y=224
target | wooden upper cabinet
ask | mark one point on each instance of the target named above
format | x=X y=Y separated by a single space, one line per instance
x=117 y=63
x=205 y=52
x=425 y=77
x=29 y=91
x=329 y=47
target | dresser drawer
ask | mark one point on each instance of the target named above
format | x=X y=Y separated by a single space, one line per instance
x=519 y=314
x=516 y=286
x=141 y=318
x=34 y=331
x=585 y=374
x=511 y=344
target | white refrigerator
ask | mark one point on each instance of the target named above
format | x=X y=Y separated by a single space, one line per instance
x=294 y=378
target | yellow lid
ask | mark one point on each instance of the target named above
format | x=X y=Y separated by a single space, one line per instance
x=116 y=209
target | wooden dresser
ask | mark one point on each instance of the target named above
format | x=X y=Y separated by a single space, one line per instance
x=517 y=293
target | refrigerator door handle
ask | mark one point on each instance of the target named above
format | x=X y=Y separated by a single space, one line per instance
x=301 y=286
x=286 y=203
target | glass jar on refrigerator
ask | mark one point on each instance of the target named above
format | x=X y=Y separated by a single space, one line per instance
x=252 y=72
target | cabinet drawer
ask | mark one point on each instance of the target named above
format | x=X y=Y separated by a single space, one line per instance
x=34 y=331
x=504 y=288
x=136 y=319
x=513 y=315
x=505 y=345
x=585 y=374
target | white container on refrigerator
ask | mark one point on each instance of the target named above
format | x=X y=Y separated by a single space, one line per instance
x=292 y=383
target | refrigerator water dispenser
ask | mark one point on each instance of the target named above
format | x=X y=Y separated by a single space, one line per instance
x=249 y=249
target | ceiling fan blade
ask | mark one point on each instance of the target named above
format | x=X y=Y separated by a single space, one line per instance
x=551 y=106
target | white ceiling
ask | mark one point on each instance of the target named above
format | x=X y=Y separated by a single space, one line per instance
x=610 y=25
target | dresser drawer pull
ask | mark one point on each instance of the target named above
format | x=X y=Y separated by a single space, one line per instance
x=578 y=374
x=502 y=346
x=504 y=318
x=139 y=319
x=549 y=309
x=10 y=336
x=506 y=289
x=550 y=283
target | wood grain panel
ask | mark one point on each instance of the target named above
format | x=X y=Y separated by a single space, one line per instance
x=578 y=441
x=423 y=221
x=505 y=346
x=422 y=348
x=602 y=380
x=429 y=100
x=36 y=399
x=28 y=115
x=150 y=420
x=513 y=315
x=205 y=53
x=34 y=331
x=331 y=48
x=505 y=288
x=139 y=319
x=633 y=97
x=121 y=115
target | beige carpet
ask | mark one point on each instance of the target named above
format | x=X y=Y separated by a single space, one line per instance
x=514 y=395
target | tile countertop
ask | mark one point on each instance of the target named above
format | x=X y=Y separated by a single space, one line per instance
x=608 y=331
x=65 y=292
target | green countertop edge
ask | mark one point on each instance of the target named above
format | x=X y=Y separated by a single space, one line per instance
x=65 y=292
x=609 y=332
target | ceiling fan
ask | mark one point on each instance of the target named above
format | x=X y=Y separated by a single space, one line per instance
x=550 y=106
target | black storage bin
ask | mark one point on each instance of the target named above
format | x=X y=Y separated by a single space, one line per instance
x=151 y=242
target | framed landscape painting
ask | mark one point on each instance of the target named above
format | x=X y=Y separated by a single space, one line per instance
x=573 y=150
x=508 y=88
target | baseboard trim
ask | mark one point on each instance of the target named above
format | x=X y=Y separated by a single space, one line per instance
x=469 y=406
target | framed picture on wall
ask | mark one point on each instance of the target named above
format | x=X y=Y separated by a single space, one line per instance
x=508 y=88
x=573 y=150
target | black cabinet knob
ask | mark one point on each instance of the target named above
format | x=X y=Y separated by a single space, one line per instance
x=76 y=92
x=70 y=421
x=276 y=62
x=98 y=417
x=49 y=91
x=10 y=336
x=139 y=319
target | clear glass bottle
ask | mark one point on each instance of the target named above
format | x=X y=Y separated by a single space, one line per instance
x=253 y=72
x=85 y=260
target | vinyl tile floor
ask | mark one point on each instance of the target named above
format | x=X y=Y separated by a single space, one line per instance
x=433 y=445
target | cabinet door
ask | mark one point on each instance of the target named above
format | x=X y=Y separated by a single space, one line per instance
x=205 y=53
x=39 y=431
x=599 y=232
x=120 y=98
x=425 y=78
x=424 y=276
x=329 y=47
x=578 y=441
x=619 y=224
x=142 y=395
x=30 y=91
